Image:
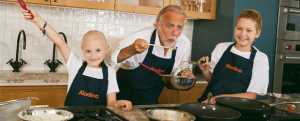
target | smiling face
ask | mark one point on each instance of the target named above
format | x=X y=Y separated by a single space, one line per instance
x=170 y=27
x=94 y=47
x=245 y=33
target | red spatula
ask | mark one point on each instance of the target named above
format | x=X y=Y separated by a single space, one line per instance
x=149 y=68
x=23 y=5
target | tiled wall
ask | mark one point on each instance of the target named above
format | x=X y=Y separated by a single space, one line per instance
x=73 y=22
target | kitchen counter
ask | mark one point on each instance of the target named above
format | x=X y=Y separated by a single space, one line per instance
x=33 y=78
x=43 y=78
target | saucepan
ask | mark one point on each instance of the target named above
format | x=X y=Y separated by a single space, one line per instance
x=247 y=107
x=45 y=114
x=157 y=114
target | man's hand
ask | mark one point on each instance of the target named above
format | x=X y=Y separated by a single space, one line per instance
x=137 y=47
x=140 y=46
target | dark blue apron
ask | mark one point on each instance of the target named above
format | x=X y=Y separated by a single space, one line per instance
x=87 y=90
x=231 y=75
x=140 y=85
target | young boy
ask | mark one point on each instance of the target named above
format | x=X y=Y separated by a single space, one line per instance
x=237 y=69
x=91 y=81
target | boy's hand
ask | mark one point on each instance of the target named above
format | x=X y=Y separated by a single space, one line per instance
x=204 y=66
x=126 y=105
x=27 y=15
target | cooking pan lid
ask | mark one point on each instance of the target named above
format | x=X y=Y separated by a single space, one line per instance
x=210 y=111
x=242 y=103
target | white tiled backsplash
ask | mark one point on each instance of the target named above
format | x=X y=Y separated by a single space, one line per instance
x=73 y=22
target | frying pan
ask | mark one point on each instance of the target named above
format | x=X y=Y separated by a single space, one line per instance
x=210 y=112
x=247 y=107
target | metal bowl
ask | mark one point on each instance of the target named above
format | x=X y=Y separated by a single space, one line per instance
x=45 y=114
x=9 y=109
x=278 y=98
x=168 y=115
x=178 y=82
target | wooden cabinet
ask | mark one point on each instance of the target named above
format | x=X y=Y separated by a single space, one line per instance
x=194 y=10
x=175 y=96
x=42 y=2
x=54 y=96
x=58 y=2
x=151 y=7
x=109 y=5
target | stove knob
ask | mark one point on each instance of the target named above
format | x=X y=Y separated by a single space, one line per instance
x=290 y=47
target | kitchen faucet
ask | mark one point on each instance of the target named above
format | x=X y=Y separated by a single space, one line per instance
x=52 y=65
x=16 y=65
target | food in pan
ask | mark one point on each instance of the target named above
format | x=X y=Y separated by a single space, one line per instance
x=290 y=107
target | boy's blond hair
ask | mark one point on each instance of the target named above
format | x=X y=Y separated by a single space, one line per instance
x=253 y=15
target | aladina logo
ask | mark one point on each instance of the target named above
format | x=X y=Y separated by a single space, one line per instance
x=234 y=68
x=91 y=95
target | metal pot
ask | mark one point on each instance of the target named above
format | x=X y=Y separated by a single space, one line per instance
x=168 y=115
x=9 y=109
x=46 y=114
x=179 y=82
x=278 y=98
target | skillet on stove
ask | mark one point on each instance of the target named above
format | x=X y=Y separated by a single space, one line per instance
x=210 y=112
x=247 y=107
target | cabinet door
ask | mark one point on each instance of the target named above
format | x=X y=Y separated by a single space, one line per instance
x=197 y=9
x=58 y=2
x=54 y=96
x=43 y=2
x=168 y=96
x=93 y=4
x=151 y=7
x=193 y=94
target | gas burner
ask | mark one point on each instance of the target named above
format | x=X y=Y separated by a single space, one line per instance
x=93 y=113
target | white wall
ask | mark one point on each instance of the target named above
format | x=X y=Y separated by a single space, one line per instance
x=73 y=22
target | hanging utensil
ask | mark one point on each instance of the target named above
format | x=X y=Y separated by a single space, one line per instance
x=149 y=68
x=163 y=46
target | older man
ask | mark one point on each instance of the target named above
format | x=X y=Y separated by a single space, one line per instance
x=137 y=83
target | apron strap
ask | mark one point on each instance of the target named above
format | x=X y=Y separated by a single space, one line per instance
x=253 y=53
x=82 y=68
x=104 y=70
x=152 y=41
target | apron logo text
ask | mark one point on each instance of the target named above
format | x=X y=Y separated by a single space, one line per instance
x=158 y=70
x=83 y=93
x=233 y=68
